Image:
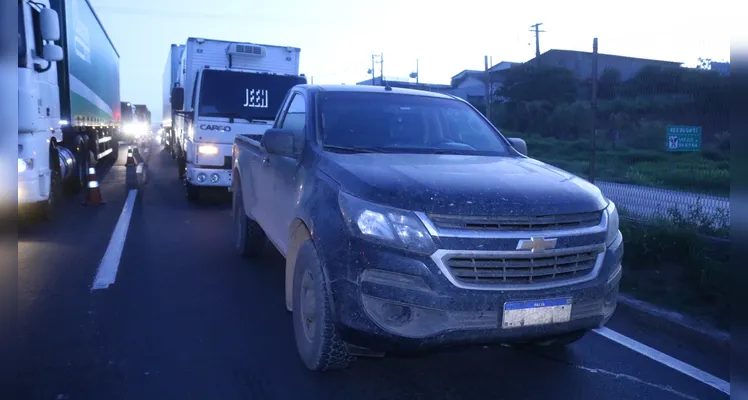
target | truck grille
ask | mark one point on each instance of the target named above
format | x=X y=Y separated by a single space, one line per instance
x=522 y=268
x=517 y=224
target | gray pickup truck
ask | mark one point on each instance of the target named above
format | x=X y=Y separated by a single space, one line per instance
x=409 y=222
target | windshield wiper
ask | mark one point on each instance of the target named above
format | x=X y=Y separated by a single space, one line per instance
x=350 y=149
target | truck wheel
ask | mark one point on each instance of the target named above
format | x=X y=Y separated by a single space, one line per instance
x=193 y=192
x=181 y=165
x=77 y=182
x=317 y=341
x=249 y=238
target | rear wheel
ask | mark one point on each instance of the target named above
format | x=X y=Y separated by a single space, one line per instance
x=317 y=340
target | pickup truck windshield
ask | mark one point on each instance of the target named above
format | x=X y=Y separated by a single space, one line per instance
x=403 y=123
x=251 y=96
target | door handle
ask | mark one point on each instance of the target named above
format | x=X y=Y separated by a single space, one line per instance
x=266 y=161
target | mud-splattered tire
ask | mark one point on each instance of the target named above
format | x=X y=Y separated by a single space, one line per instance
x=249 y=238
x=317 y=341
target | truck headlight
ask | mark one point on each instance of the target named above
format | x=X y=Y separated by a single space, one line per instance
x=25 y=164
x=207 y=149
x=613 y=223
x=387 y=225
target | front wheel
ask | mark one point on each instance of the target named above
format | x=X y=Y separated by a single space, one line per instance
x=317 y=340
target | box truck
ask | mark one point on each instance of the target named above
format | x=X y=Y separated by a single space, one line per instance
x=223 y=89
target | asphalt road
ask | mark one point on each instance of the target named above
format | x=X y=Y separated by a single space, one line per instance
x=188 y=319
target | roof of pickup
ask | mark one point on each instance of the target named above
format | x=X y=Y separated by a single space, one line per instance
x=372 y=89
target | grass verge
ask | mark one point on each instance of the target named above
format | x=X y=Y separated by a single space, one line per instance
x=681 y=263
x=702 y=172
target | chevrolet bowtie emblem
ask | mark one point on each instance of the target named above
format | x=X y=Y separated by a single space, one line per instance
x=536 y=244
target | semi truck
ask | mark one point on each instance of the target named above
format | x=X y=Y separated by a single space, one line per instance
x=223 y=89
x=69 y=107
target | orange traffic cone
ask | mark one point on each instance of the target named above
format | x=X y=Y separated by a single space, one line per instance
x=94 y=193
x=130 y=158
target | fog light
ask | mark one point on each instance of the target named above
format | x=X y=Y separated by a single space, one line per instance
x=396 y=314
x=214 y=178
x=201 y=177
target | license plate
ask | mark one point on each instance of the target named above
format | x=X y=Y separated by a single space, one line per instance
x=536 y=312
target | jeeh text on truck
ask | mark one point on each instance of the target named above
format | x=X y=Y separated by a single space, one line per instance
x=409 y=222
x=68 y=99
x=221 y=89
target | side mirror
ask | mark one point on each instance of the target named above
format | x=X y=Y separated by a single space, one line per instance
x=185 y=113
x=49 y=24
x=52 y=52
x=177 y=98
x=519 y=145
x=281 y=142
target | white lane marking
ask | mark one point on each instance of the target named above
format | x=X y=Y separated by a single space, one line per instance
x=139 y=169
x=107 y=272
x=637 y=380
x=665 y=359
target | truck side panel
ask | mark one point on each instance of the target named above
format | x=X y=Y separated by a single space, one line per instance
x=171 y=73
x=89 y=77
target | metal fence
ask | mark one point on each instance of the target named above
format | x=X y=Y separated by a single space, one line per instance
x=643 y=203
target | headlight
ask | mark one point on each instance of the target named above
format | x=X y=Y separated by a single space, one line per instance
x=25 y=164
x=391 y=226
x=613 y=223
x=208 y=149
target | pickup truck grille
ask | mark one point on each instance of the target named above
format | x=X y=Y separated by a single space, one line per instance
x=517 y=224
x=522 y=268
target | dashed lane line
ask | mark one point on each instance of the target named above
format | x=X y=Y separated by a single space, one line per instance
x=107 y=272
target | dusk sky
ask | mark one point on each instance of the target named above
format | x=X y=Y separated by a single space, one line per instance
x=337 y=37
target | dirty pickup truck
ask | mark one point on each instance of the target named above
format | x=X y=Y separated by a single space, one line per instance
x=409 y=222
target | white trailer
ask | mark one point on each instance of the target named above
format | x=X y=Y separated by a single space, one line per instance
x=224 y=89
x=170 y=76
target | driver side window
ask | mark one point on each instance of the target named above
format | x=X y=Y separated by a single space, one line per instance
x=295 y=118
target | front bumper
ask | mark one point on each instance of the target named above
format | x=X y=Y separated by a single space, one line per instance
x=31 y=189
x=387 y=281
x=213 y=177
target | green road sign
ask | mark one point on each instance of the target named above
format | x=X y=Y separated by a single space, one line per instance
x=683 y=138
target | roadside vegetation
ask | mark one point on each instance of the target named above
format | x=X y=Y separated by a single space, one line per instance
x=680 y=262
x=550 y=108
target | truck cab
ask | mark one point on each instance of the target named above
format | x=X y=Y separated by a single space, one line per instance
x=225 y=89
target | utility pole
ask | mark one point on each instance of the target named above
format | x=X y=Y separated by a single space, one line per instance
x=381 y=69
x=417 y=71
x=488 y=99
x=536 y=28
x=372 y=71
x=593 y=111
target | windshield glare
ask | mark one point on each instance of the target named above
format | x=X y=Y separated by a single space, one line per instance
x=251 y=96
x=405 y=123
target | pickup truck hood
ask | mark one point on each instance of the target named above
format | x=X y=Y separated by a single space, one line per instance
x=463 y=185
